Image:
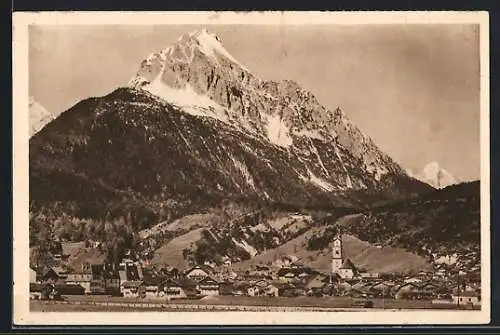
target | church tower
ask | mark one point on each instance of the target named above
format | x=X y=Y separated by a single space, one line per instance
x=337 y=253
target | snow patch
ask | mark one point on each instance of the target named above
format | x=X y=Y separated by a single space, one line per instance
x=277 y=131
x=376 y=170
x=210 y=44
x=39 y=116
x=244 y=171
x=310 y=133
x=434 y=175
x=245 y=246
x=188 y=99
x=321 y=183
x=348 y=178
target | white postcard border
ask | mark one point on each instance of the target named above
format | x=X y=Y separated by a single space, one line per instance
x=21 y=310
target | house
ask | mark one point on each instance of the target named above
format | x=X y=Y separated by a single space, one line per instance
x=412 y=280
x=369 y=275
x=180 y=288
x=291 y=290
x=381 y=289
x=80 y=278
x=97 y=282
x=33 y=276
x=315 y=285
x=52 y=276
x=153 y=288
x=226 y=288
x=262 y=288
x=199 y=272
x=271 y=290
x=209 y=286
x=35 y=291
x=227 y=274
x=240 y=288
x=404 y=290
x=439 y=274
x=412 y=291
x=467 y=298
x=343 y=288
x=173 y=289
x=48 y=291
x=122 y=275
x=133 y=289
x=253 y=291
x=111 y=280
x=432 y=288
x=288 y=275
x=347 y=270
x=70 y=289
x=129 y=270
x=360 y=289
x=210 y=264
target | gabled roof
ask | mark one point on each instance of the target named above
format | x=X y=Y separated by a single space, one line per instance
x=153 y=280
x=52 y=272
x=399 y=287
x=348 y=264
x=429 y=283
x=208 y=269
x=315 y=282
x=180 y=282
x=207 y=279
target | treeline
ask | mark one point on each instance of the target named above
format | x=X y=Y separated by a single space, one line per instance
x=116 y=235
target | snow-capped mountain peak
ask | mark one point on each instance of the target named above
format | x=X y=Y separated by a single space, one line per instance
x=199 y=76
x=211 y=45
x=434 y=175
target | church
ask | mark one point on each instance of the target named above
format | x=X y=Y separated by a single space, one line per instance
x=344 y=268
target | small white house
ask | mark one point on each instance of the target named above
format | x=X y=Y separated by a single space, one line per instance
x=467 y=298
x=32 y=276
x=347 y=270
x=199 y=272
x=412 y=280
x=209 y=287
x=132 y=289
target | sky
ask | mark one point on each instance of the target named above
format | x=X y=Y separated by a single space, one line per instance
x=414 y=89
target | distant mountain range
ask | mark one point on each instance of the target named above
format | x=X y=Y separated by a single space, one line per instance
x=39 y=116
x=196 y=133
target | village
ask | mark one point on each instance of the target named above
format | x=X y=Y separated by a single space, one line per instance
x=132 y=279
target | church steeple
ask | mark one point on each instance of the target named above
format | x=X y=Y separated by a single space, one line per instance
x=337 y=253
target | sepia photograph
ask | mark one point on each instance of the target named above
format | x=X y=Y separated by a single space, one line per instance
x=251 y=168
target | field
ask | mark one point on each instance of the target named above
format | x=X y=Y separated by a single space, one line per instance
x=383 y=260
x=226 y=303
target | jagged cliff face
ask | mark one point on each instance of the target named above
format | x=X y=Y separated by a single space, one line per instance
x=200 y=76
x=195 y=127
